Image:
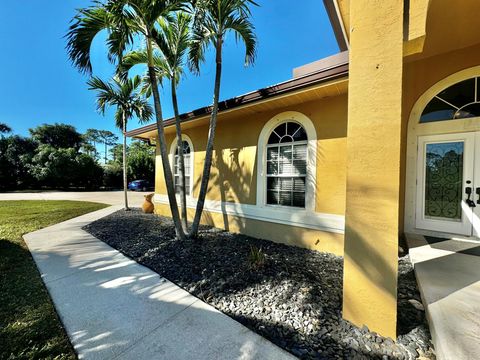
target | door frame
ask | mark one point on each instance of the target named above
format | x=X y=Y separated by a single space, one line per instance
x=415 y=129
x=464 y=226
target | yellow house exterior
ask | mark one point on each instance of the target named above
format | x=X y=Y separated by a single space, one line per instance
x=397 y=108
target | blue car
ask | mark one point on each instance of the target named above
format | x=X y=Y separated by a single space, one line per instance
x=140 y=185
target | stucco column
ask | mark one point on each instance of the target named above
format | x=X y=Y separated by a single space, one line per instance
x=373 y=166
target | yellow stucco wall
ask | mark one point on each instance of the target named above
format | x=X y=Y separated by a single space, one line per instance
x=233 y=175
x=373 y=165
x=286 y=234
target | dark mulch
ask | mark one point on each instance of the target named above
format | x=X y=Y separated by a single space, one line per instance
x=294 y=299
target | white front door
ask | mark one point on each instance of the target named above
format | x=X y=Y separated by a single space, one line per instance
x=448 y=177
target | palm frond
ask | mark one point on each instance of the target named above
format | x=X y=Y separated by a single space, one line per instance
x=146 y=87
x=244 y=31
x=140 y=57
x=106 y=93
x=87 y=24
x=213 y=19
x=143 y=110
x=134 y=58
x=173 y=41
x=125 y=95
x=119 y=116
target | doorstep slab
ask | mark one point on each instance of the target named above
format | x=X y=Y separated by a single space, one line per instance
x=448 y=276
x=112 y=307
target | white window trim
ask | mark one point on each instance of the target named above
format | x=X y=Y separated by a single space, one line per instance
x=311 y=178
x=278 y=214
x=171 y=156
x=292 y=216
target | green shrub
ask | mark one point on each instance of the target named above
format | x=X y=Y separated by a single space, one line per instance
x=113 y=176
x=256 y=257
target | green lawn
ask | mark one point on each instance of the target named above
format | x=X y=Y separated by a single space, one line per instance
x=29 y=326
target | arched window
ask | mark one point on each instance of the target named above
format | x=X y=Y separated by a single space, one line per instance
x=458 y=101
x=287 y=165
x=188 y=160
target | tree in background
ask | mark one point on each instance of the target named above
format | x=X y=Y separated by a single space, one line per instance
x=58 y=162
x=5 y=129
x=113 y=175
x=42 y=161
x=65 y=167
x=108 y=139
x=57 y=135
x=116 y=152
x=92 y=137
x=141 y=161
x=16 y=154
x=213 y=19
x=126 y=97
x=89 y=149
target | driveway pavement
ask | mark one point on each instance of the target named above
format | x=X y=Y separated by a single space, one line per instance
x=114 y=308
x=107 y=197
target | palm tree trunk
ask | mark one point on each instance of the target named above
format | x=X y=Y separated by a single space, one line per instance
x=167 y=171
x=211 y=136
x=181 y=159
x=125 y=182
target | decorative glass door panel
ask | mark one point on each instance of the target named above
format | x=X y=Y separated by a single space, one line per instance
x=444 y=179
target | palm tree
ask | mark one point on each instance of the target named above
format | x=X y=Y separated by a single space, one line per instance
x=126 y=20
x=5 y=129
x=173 y=41
x=125 y=96
x=213 y=19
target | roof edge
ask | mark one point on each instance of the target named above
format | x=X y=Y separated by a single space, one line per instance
x=337 y=23
x=317 y=77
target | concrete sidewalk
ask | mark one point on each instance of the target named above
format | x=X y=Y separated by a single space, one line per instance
x=135 y=199
x=448 y=276
x=114 y=308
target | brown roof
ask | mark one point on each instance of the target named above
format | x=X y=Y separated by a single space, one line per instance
x=318 y=77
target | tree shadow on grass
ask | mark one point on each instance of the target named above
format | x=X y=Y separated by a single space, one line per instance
x=29 y=326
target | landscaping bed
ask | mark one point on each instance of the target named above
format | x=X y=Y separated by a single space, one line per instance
x=294 y=298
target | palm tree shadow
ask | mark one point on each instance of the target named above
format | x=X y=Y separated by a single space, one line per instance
x=294 y=286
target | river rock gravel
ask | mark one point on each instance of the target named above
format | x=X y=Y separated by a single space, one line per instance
x=294 y=299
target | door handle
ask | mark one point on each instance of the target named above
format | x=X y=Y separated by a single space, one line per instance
x=470 y=202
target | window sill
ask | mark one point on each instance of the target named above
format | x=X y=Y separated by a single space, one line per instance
x=299 y=217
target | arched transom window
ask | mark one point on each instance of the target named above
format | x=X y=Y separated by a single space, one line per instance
x=287 y=165
x=188 y=168
x=459 y=101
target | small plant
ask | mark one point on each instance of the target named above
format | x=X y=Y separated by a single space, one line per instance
x=256 y=257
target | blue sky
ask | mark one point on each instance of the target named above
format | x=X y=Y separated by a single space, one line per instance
x=39 y=85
